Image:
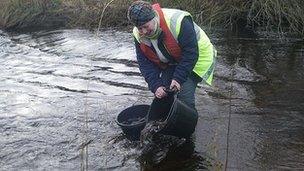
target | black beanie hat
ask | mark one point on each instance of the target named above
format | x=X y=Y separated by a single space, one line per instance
x=140 y=12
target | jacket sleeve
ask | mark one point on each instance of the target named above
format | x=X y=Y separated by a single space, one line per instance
x=188 y=43
x=148 y=69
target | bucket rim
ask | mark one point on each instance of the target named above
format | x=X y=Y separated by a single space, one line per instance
x=132 y=125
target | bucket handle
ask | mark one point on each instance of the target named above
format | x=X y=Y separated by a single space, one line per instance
x=169 y=92
x=172 y=92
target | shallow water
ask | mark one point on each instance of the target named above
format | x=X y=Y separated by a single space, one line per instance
x=61 y=91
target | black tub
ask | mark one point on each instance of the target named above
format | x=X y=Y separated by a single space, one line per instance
x=132 y=120
x=179 y=119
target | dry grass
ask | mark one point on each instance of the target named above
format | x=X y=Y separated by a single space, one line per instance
x=88 y=13
x=278 y=15
x=26 y=13
x=19 y=14
x=271 y=15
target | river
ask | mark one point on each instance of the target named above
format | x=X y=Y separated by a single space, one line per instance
x=61 y=90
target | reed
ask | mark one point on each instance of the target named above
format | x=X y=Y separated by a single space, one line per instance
x=86 y=13
x=26 y=13
x=269 y=15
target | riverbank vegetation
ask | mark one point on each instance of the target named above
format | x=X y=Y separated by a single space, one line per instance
x=42 y=14
x=268 y=15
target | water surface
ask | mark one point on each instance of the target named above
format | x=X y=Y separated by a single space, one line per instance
x=61 y=91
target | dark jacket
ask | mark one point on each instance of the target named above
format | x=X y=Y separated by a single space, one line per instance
x=188 y=44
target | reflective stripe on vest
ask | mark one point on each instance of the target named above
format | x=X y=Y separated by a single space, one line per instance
x=204 y=66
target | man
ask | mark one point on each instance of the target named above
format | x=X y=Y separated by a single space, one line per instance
x=172 y=51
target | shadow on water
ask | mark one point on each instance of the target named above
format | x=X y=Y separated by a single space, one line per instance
x=180 y=156
x=266 y=101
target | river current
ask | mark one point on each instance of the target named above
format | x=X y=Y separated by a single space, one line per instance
x=61 y=90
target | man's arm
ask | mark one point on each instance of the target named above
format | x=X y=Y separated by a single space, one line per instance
x=188 y=43
x=148 y=69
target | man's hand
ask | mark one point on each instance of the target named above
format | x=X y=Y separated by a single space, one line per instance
x=160 y=92
x=175 y=86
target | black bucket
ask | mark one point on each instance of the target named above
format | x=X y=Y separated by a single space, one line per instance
x=132 y=120
x=180 y=120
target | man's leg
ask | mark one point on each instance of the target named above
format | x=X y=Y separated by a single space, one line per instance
x=187 y=93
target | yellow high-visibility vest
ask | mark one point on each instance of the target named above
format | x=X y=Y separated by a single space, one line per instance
x=204 y=66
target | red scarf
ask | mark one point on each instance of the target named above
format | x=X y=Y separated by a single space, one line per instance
x=170 y=43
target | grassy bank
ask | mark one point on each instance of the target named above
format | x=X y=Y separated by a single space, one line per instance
x=30 y=14
x=271 y=15
x=19 y=14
